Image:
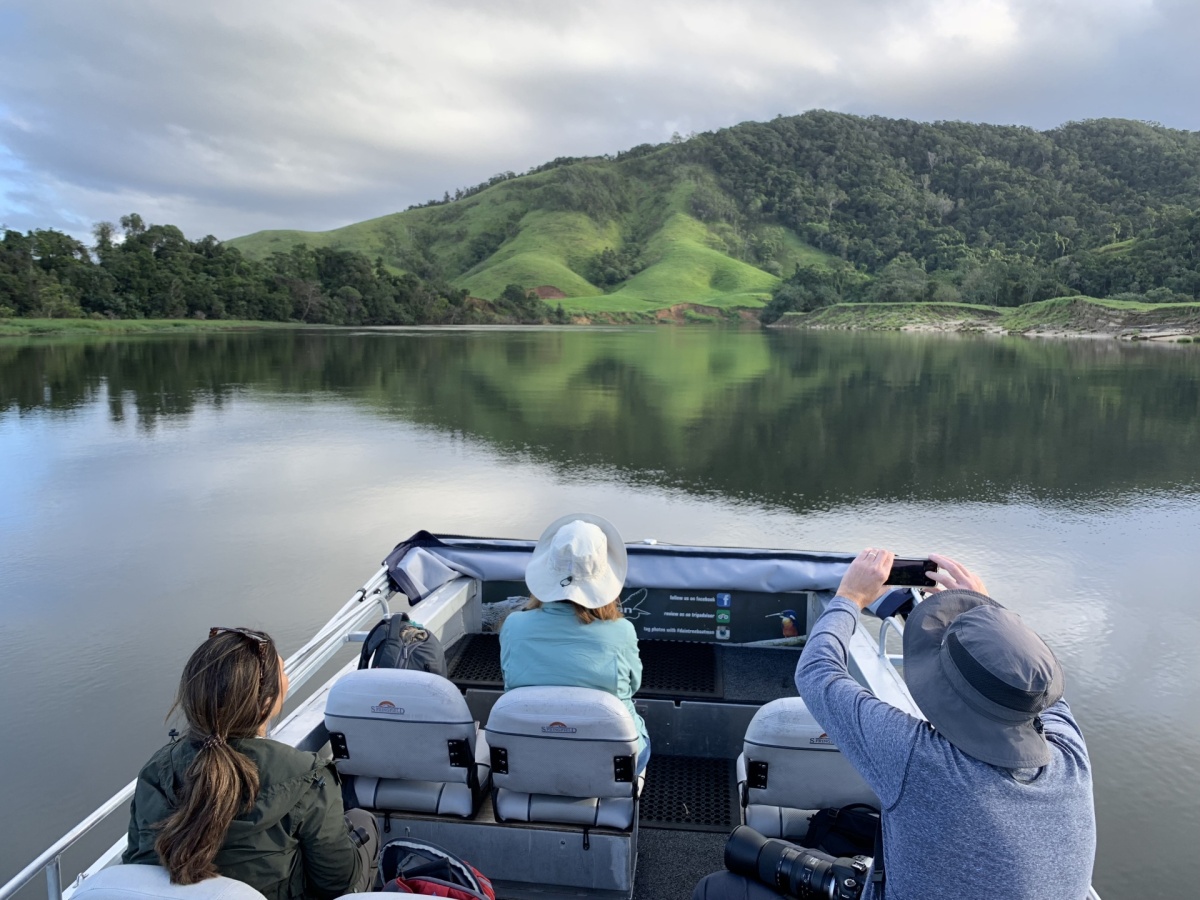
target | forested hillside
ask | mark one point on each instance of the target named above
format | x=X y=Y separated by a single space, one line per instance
x=801 y=211
x=844 y=207
x=155 y=272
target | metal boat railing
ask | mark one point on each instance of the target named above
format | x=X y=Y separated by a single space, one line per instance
x=364 y=606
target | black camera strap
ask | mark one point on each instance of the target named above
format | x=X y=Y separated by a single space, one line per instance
x=878 y=876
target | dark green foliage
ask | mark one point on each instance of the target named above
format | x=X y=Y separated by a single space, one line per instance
x=155 y=272
x=519 y=306
x=487 y=242
x=1008 y=214
x=903 y=280
x=1164 y=265
x=610 y=267
x=596 y=192
x=811 y=287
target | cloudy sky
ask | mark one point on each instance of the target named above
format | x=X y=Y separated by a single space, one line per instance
x=228 y=117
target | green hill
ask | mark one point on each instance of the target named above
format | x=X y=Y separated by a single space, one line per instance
x=890 y=210
x=757 y=220
x=551 y=230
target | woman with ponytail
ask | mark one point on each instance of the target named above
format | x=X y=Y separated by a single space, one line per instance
x=225 y=800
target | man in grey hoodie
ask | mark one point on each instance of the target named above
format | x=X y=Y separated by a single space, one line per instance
x=992 y=796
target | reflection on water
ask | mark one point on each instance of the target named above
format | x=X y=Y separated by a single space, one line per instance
x=802 y=420
x=153 y=487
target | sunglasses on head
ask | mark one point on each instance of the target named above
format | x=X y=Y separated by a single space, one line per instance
x=260 y=639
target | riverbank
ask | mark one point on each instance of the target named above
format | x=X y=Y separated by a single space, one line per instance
x=1060 y=317
x=98 y=327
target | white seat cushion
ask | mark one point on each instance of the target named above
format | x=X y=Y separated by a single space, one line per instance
x=564 y=754
x=595 y=812
x=789 y=767
x=564 y=741
x=136 y=882
x=407 y=741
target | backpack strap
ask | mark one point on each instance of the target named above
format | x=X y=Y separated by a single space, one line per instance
x=878 y=876
x=384 y=630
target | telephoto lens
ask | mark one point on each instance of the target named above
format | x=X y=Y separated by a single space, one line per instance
x=794 y=870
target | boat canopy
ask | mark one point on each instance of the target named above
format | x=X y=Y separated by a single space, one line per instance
x=424 y=562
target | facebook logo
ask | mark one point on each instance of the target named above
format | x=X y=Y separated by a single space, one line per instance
x=724 y=601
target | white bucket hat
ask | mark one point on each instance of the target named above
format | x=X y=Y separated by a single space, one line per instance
x=580 y=558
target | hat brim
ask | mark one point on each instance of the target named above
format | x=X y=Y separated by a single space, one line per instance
x=1010 y=746
x=544 y=584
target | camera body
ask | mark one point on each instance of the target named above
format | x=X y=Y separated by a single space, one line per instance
x=795 y=871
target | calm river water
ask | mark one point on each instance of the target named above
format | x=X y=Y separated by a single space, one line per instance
x=152 y=487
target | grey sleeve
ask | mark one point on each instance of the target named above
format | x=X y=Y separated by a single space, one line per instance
x=331 y=862
x=876 y=737
x=1063 y=730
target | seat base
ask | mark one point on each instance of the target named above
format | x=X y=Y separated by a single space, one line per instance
x=521 y=858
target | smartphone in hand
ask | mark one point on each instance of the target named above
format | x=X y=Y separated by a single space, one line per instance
x=911 y=573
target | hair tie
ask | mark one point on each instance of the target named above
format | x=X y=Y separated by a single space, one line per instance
x=213 y=740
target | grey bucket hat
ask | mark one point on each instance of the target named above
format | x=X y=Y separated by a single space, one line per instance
x=981 y=676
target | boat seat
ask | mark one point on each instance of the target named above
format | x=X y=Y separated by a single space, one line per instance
x=564 y=755
x=406 y=742
x=137 y=882
x=789 y=768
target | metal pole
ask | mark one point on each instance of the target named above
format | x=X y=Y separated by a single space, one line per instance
x=54 y=879
x=51 y=856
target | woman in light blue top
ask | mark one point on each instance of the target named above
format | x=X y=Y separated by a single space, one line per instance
x=572 y=633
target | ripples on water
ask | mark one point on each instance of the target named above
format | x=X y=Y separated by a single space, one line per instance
x=153 y=487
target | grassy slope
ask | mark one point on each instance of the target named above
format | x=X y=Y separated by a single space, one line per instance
x=549 y=249
x=687 y=261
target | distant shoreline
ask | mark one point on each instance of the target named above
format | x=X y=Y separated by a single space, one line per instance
x=1074 y=317
x=19 y=327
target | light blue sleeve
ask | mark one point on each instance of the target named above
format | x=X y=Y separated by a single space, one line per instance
x=633 y=660
x=876 y=737
x=508 y=641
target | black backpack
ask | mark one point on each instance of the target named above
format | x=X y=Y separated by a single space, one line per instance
x=397 y=642
x=848 y=831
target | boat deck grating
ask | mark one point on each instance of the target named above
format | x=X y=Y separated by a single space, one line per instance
x=475 y=662
x=690 y=793
x=678 y=669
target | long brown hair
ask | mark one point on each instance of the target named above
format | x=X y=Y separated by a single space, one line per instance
x=229 y=687
x=587 y=616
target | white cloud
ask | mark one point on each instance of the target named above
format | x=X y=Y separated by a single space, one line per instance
x=220 y=117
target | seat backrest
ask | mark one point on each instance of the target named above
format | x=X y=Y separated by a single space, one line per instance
x=791 y=762
x=136 y=882
x=400 y=724
x=563 y=741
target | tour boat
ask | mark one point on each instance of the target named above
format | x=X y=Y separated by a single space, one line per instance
x=536 y=788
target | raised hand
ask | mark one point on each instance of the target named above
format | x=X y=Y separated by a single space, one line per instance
x=952 y=575
x=863 y=581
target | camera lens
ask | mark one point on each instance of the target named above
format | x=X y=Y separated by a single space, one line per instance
x=796 y=871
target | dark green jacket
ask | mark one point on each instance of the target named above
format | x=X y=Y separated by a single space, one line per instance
x=293 y=844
